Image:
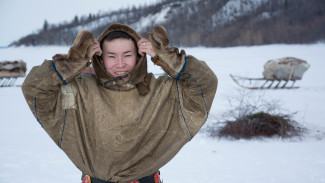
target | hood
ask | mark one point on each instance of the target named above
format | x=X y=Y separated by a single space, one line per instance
x=139 y=76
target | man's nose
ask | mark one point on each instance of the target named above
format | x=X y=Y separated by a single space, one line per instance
x=120 y=62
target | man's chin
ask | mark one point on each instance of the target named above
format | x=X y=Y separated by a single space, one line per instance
x=126 y=79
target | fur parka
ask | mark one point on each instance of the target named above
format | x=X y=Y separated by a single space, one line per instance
x=111 y=130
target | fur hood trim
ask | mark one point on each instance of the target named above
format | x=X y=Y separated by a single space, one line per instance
x=139 y=76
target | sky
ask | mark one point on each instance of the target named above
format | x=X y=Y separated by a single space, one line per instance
x=19 y=18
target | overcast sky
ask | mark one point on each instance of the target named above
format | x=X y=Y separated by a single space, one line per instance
x=22 y=17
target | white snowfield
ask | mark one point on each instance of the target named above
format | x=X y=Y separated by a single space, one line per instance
x=27 y=154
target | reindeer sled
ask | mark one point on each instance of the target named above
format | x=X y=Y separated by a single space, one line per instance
x=10 y=71
x=278 y=74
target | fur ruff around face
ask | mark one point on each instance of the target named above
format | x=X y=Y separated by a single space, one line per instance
x=138 y=76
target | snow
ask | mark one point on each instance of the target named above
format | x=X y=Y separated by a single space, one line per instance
x=152 y=19
x=28 y=155
x=235 y=8
x=265 y=15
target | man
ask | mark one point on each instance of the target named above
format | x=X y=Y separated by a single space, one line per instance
x=121 y=124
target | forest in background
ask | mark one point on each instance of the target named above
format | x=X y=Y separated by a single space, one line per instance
x=202 y=23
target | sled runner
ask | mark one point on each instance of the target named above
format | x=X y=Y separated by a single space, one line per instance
x=277 y=74
x=262 y=83
x=10 y=71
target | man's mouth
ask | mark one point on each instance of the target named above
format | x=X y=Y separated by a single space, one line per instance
x=121 y=73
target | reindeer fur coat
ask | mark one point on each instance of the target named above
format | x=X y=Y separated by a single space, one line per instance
x=113 y=130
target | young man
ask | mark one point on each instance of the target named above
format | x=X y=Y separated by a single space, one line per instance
x=121 y=124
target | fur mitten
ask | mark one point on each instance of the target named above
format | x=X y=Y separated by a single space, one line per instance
x=169 y=58
x=70 y=65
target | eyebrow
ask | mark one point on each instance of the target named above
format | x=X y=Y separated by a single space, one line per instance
x=115 y=53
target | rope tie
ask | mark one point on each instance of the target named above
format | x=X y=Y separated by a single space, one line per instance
x=179 y=102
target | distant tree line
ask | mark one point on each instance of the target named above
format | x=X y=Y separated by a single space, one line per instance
x=290 y=21
x=191 y=23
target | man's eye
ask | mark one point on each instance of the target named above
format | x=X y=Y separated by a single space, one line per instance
x=127 y=55
x=111 y=57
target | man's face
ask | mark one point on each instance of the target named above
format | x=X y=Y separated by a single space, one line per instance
x=119 y=56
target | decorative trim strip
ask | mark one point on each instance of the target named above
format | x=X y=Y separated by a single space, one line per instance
x=54 y=67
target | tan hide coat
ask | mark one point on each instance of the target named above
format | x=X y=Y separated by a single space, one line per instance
x=112 y=131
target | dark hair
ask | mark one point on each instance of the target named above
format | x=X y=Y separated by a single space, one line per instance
x=117 y=34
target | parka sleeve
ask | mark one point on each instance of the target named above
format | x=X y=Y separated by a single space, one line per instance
x=41 y=90
x=196 y=87
x=42 y=87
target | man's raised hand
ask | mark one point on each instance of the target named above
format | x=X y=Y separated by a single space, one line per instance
x=145 y=46
x=93 y=49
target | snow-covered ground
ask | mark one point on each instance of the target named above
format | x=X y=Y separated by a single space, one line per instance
x=28 y=155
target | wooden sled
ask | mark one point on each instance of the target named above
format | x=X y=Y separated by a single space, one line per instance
x=262 y=83
x=10 y=71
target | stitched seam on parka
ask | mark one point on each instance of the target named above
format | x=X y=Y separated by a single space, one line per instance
x=36 y=112
x=179 y=102
x=65 y=114
x=54 y=67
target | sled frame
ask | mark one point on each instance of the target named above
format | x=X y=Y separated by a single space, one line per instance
x=246 y=82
